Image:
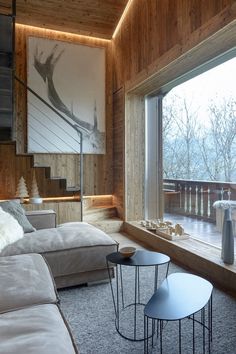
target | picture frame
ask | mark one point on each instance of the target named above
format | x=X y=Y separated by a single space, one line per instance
x=70 y=78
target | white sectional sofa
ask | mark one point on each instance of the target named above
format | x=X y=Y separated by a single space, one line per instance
x=30 y=317
x=76 y=252
x=33 y=264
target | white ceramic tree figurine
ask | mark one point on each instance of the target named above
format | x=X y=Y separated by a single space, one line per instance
x=34 y=187
x=22 y=191
x=34 y=195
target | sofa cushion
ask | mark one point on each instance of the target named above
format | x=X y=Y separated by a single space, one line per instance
x=10 y=229
x=38 y=329
x=69 y=248
x=26 y=280
x=16 y=210
x=64 y=237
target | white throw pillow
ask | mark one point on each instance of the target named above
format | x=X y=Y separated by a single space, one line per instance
x=10 y=229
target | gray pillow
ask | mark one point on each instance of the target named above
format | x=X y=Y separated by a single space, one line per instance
x=16 y=210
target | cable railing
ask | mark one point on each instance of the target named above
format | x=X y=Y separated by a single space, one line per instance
x=45 y=125
x=45 y=131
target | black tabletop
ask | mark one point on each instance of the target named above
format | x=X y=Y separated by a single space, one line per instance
x=180 y=295
x=140 y=258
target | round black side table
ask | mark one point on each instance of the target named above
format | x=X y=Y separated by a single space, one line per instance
x=141 y=258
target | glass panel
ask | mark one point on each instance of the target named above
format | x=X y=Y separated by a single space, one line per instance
x=199 y=150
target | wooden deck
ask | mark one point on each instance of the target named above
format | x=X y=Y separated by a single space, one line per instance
x=199 y=229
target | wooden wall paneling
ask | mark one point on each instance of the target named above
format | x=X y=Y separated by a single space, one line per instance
x=180 y=59
x=7 y=165
x=183 y=58
x=167 y=22
x=66 y=211
x=152 y=30
x=62 y=165
x=170 y=24
x=97 y=168
x=134 y=157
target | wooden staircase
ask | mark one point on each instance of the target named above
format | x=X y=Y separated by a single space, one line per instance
x=13 y=166
x=101 y=212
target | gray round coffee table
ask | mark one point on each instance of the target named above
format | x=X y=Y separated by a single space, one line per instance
x=180 y=296
x=141 y=258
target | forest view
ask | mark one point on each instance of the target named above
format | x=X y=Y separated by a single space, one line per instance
x=199 y=127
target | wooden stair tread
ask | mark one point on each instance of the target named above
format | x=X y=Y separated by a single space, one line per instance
x=108 y=225
x=98 y=209
x=99 y=214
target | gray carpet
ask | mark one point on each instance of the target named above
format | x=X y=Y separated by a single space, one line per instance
x=90 y=314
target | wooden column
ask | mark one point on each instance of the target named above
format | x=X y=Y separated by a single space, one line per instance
x=134 y=156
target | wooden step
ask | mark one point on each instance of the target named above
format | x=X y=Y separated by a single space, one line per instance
x=110 y=225
x=48 y=186
x=98 y=201
x=99 y=213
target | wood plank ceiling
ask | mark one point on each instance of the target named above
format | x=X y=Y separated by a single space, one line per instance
x=96 y=18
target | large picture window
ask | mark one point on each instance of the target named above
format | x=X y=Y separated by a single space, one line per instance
x=191 y=136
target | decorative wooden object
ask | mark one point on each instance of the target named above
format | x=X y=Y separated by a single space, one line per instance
x=172 y=237
x=22 y=191
x=165 y=229
x=34 y=195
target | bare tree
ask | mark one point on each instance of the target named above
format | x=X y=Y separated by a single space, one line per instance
x=223 y=131
x=212 y=159
x=181 y=159
x=199 y=147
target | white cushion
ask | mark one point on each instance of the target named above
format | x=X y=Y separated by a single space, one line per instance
x=10 y=229
x=27 y=281
x=36 y=329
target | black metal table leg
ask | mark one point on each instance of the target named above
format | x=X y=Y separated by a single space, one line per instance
x=112 y=291
x=135 y=300
x=179 y=336
x=161 y=329
x=193 y=333
x=203 y=330
x=117 y=300
x=122 y=288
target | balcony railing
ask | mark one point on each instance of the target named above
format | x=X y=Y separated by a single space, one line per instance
x=196 y=198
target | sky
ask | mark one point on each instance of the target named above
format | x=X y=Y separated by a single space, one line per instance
x=214 y=83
